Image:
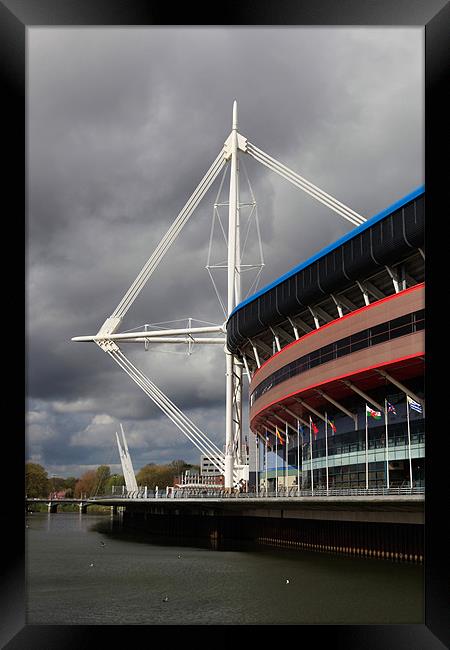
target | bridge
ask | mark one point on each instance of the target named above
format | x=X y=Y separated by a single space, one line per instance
x=53 y=503
x=394 y=505
x=376 y=523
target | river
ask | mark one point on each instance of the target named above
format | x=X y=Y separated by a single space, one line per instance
x=83 y=570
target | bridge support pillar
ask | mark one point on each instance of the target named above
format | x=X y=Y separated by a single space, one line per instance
x=52 y=507
x=83 y=508
x=114 y=510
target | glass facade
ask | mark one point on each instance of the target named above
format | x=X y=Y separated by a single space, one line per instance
x=347 y=447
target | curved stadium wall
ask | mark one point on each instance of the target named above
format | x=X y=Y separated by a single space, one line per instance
x=341 y=332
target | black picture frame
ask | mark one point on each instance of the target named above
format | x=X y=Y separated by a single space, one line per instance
x=15 y=17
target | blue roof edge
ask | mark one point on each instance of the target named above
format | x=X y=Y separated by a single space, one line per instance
x=377 y=217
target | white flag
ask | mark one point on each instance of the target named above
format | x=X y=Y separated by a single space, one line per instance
x=415 y=406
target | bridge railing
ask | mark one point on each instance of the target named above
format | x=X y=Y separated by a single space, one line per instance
x=293 y=492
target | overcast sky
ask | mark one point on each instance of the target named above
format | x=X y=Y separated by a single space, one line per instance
x=122 y=125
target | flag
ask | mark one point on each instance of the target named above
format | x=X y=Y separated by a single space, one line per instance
x=267 y=442
x=279 y=436
x=333 y=428
x=314 y=428
x=391 y=408
x=415 y=406
x=376 y=415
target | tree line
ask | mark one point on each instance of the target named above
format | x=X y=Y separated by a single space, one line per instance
x=96 y=482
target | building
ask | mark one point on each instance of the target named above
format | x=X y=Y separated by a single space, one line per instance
x=207 y=467
x=335 y=352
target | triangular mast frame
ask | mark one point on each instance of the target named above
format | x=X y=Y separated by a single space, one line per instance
x=229 y=463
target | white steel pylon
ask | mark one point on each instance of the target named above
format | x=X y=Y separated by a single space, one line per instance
x=107 y=338
x=125 y=459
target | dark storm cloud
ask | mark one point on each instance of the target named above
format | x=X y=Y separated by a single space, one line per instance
x=122 y=125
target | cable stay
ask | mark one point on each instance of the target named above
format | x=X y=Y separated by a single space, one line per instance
x=305 y=185
x=149 y=267
x=186 y=426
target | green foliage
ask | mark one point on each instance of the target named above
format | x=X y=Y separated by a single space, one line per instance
x=114 y=480
x=103 y=474
x=100 y=481
x=56 y=484
x=71 y=482
x=162 y=476
x=36 y=481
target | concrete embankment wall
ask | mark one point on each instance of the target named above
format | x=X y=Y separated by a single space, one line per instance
x=227 y=530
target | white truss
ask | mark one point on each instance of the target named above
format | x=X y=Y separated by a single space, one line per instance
x=230 y=462
x=217 y=226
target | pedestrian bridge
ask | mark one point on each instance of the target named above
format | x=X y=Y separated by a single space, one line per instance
x=396 y=505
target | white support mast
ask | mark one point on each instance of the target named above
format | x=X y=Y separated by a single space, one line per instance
x=232 y=411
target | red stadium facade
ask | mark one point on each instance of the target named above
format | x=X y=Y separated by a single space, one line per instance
x=335 y=351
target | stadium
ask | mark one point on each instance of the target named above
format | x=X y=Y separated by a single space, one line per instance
x=334 y=350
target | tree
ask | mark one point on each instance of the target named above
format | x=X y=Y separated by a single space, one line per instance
x=70 y=486
x=71 y=482
x=86 y=484
x=146 y=475
x=162 y=476
x=155 y=475
x=115 y=480
x=103 y=474
x=56 y=484
x=36 y=480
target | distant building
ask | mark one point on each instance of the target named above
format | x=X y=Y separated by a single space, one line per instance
x=207 y=467
x=57 y=495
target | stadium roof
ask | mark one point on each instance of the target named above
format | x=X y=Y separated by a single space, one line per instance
x=353 y=233
x=384 y=239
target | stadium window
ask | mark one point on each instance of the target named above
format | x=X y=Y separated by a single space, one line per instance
x=326 y=353
x=343 y=347
x=379 y=334
x=314 y=358
x=359 y=340
x=400 y=326
x=419 y=320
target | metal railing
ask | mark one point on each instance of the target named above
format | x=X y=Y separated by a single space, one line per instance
x=282 y=493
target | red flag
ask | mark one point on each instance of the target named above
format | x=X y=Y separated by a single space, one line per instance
x=314 y=428
x=279 y=437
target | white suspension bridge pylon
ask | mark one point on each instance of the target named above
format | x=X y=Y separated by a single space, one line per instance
x=108 y=339
x=125 y=460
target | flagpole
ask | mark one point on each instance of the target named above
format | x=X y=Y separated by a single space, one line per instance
x=367 y=455
x=326 y=447
x=266 y=465
x=276 y=464
x=310 y=454
x=409 y=443
x=257 y=464
x=386 y=449
x=298 y=457
x=286 y=470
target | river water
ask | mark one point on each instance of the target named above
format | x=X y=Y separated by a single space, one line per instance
x=83 y=570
